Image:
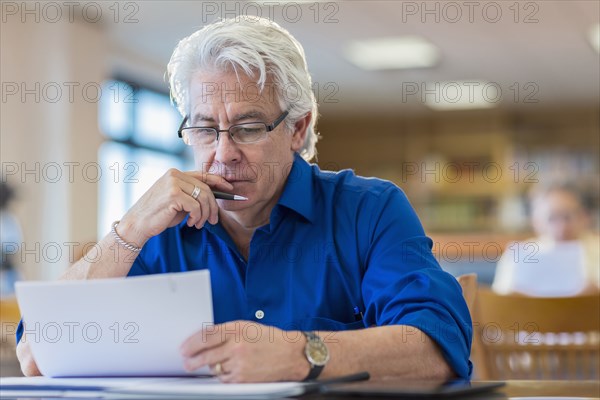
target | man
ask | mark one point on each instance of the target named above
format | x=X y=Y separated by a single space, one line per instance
x=560 y=216
x=310 y=257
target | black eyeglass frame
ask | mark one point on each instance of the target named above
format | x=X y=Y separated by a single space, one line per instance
x=270 y=127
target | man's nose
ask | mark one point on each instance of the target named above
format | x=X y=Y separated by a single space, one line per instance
x=227 y=151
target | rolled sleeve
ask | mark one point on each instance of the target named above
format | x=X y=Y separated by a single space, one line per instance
x=404 y=284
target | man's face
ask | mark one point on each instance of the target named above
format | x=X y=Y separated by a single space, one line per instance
x=257 y=170
x=559 y=215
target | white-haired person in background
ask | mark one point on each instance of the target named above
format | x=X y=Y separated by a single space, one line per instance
x=564 y=258
x=333 y=271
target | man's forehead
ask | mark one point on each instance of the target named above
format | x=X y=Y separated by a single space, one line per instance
x=238 y=112
x=212 y=93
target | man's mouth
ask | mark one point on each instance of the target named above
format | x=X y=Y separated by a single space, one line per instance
x=236 y=180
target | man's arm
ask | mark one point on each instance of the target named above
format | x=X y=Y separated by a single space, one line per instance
x=395 y=350
x=165 y=204
x=250 y=352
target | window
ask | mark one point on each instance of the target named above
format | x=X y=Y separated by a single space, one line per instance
x=141 y=130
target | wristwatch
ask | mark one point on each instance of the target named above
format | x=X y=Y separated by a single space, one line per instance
x=316 y=353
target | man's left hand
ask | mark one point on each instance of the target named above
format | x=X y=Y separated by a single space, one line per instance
x=245 y=351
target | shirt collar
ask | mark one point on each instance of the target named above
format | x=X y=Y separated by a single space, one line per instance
x=298 y=193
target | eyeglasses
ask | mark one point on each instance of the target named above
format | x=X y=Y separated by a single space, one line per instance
x=251 y=132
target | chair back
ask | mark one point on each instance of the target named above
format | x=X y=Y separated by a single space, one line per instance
x=519 y=337
x=9 y=319
x=468 y=283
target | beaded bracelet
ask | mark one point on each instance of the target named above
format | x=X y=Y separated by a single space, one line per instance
x=122 y=242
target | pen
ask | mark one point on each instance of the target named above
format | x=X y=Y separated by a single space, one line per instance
x=358 y=315
x=227 y=196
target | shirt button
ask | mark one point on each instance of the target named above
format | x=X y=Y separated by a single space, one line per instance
x=259 y=314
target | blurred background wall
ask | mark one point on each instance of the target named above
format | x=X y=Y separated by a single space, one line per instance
x=470 y=105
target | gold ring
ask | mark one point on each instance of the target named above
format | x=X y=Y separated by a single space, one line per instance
x=196 y=192
x=218 y=369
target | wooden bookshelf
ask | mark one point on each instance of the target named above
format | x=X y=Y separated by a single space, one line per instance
x=467 y=173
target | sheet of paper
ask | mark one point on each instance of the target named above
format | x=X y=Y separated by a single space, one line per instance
x=115 y=327
x=211 y=388
x=191 y=387
x=553 y=270
x=40 y=386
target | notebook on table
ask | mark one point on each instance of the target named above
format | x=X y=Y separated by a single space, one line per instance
x=412 y=388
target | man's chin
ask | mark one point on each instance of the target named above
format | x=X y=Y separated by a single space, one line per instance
x=233 y=205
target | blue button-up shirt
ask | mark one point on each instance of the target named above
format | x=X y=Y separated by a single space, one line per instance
x=338 y=248
x=335 y=241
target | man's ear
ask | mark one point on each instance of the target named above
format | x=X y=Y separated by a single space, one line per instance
x=300 y=131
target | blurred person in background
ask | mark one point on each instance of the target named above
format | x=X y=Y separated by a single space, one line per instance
x=11 y=237
x=564 y=258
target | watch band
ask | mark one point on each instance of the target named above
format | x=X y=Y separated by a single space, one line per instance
x=315 y=370
x=314 y=373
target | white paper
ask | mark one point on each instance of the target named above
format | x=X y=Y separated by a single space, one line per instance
x=548 y=271
x=115 y=327
x=196 y=387
x=211 y=388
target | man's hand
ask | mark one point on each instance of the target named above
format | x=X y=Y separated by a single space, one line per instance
x=169 y=201
x=28 y=365
x=247 y=352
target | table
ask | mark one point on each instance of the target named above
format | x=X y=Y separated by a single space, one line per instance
x=552 y=388
x=512 y=389
x=585 y=389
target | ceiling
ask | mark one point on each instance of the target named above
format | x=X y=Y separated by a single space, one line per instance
x=542 y=50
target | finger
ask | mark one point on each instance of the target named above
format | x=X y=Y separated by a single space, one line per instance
x=209 y=206
x=210 y=358
x=187 y=204
x=204 y=339
x=226 y=367
x=205 y=205
x=227 y=371
x=197 y=219
x=25 y=357
x=202 y=210
x=189 y=184
x=210 y=179
x=201 y=179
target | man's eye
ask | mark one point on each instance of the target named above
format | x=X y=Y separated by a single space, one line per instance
x=249 y=130
x=204 y=131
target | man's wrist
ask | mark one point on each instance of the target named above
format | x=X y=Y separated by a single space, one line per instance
x=304 y=366
x=128 y=233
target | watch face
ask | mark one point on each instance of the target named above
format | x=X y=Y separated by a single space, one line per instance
x=317 y=352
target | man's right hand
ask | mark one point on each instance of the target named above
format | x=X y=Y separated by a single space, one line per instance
x=169 y=201
x=28 y=365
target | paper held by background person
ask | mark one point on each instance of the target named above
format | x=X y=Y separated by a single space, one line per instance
x=115 y=327
x=546 y=270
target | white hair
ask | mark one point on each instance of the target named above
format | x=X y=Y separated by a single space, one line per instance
x=256 y=46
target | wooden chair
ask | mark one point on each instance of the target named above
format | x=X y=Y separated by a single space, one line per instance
x=9 y=319
x=468 y=283
x=518 y=337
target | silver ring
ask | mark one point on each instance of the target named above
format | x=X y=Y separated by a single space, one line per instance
x=218 y=369
x=196 y=192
